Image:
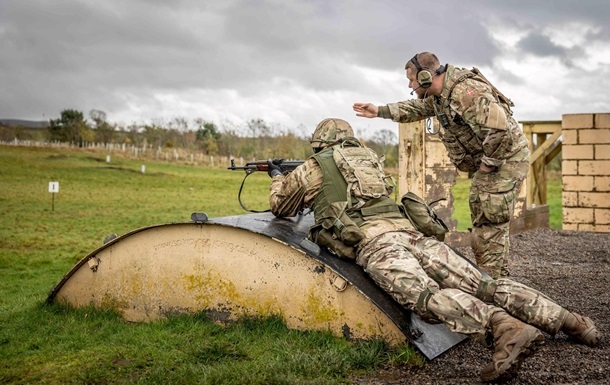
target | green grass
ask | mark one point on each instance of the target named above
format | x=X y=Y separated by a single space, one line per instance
x=554 y=198
x=52 y=344
x=461 y=212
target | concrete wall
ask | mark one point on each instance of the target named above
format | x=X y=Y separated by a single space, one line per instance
x=586 y=172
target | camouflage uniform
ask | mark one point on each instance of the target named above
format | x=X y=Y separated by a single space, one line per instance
x=478 y=127
x=421 y=273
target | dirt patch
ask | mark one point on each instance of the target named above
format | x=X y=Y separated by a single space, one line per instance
x=571 y=267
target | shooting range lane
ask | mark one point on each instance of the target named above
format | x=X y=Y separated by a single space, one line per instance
x=242 y=265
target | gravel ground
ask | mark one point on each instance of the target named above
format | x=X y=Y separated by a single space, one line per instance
x=571 y=267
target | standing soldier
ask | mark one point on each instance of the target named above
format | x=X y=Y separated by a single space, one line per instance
x=481 y=137
x=356 y=218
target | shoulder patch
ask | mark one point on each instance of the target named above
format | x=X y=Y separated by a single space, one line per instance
x=466 y=93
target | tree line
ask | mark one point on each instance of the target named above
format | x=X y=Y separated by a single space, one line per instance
x=257 y=139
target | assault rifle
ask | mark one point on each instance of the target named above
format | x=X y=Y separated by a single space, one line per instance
x=286 y=166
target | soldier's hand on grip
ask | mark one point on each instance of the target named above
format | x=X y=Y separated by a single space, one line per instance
x=274 y=169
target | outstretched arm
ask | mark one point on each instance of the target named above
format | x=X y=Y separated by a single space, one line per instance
x=366 y=110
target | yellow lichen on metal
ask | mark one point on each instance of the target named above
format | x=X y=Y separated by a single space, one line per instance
x=318 y=311
x=208 y=287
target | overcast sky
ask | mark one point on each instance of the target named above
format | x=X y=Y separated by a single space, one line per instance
x=291 y=63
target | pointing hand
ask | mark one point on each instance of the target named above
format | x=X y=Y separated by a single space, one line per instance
x=366 y=110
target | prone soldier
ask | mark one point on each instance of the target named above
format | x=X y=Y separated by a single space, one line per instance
x=355 y=218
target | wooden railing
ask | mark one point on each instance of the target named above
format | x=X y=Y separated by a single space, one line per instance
x=544 y=143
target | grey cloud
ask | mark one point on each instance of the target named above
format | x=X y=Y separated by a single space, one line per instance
x=73 y=53
x=540 y=45
x=551 y=10
x=300 y=38
x=239 y=43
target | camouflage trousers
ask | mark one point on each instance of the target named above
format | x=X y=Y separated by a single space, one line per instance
x=492 y=203
x=429 y=278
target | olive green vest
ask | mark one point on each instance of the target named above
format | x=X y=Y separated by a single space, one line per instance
x=345 y=202
x=334 y=186
x=334 y=189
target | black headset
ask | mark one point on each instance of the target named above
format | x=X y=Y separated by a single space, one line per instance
x=424 y=74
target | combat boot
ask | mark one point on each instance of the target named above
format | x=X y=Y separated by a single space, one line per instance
x=514 y=341
x=581 y=328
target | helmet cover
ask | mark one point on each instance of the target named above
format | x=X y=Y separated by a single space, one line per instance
x=330 y=131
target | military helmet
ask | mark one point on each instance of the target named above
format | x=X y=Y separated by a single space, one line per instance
x=329 y=131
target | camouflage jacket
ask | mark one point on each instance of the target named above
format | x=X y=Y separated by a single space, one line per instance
x=296 y=191
x=477 y=124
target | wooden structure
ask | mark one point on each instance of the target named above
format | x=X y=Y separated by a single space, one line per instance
x=584 y=141
x=545 y=145
x=425 y=169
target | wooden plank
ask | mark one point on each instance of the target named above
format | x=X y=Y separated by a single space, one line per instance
x=528 y=184
x=547 y=127
x=541 y=149
x=553 y=152
x=540 y=183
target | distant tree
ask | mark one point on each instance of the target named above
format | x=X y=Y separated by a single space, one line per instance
x=259 y=131
x=229 y=140
x=206 y=129
x=179 y=123
x=385 y=142
x=70 y=127
x=189 y=140
x=154 y=135
x=385 y=137
x=104 y=131
x=133 y=135
x=290 y=146
x=258 y=128
x=207 y=135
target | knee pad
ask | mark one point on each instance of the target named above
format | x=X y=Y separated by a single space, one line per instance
x=487 y=290
x=422 y=305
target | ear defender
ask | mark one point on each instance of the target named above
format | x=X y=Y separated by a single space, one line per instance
x=423 y=76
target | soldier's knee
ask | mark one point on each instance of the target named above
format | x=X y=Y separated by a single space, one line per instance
x=487 y=290
x=421 y=307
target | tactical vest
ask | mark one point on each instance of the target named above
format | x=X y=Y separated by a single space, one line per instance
x=463 y=143
x=354 y=189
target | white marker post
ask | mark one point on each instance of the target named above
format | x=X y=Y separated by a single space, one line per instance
x=143 y=168
x=53 y=188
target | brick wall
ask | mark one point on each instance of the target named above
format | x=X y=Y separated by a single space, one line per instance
x=586 y=172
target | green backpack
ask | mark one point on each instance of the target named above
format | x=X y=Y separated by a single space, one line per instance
x=423 y=217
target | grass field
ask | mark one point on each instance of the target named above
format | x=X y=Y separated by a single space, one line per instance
x=41 y=239
x=462 y=213
x=38 y=245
